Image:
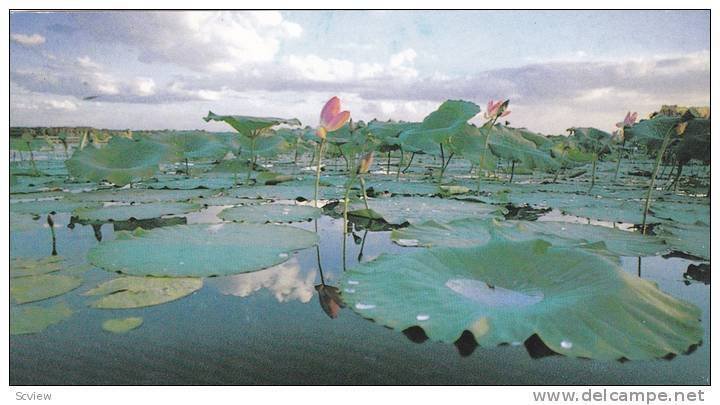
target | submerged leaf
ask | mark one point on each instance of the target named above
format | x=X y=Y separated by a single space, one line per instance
x=24 y=266
x=35 y=319
x=580 y=304
x=123 y=325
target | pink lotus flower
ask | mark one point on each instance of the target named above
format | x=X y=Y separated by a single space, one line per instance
x=331 y=119
x=496 y=110
x=629 y=120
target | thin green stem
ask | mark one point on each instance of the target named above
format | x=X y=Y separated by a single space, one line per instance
x=592 y=181
x=317 y=171
x=362 y=187
x=665 y=143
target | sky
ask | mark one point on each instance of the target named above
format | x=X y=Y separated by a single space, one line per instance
x=157 y=70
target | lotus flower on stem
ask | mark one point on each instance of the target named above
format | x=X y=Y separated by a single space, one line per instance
x=618 y=136
x=331 y=119
x=495 y=110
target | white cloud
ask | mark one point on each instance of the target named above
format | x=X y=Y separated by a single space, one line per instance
x=199 y=40
x=143 y=86
x=67 y=105
x=86 y=63
x=314 y=68
x=28 y=40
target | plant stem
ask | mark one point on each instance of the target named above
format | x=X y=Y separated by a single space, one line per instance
x=442 y=163
x=32 y=159
x=388 y=163
x=362 y=186
x=512 y=171
x=409 y=163
x=399 y=165
x=51 y=223
x=187 y=167
x=665 y=143
x=592 y=181
x=252 y=160
x=481 y=166
x=317 y=172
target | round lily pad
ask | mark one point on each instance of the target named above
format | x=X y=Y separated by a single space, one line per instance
x=265 y=213
x=475 y=232
x=34 y=319
x=24 y=266
x=137 y=292
x=691 y=239
x=41 y=287
x=136 y=211
x=48 y=206
x=579 y=303
x=140 y=195
x=398 y=210
x=200 y=250
x=123 y=325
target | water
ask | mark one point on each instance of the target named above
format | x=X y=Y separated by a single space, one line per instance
x=268 y=327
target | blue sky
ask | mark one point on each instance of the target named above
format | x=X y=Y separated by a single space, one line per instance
x=166 y=70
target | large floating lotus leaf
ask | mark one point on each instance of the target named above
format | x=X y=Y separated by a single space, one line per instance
x=691 y=239
x=401 y=187
x=609 y=210
x=137 y=292
x=211 y=182
x=260 y=214
x=41 y=287
x=25 y=266
x=247 y=125
x=200 y=250
x=683 y=213
x=398 y=210
x=475 y=232
x=225 y=200
x=580 y=304
x=49 y=206
x=136 y=211
x=35 y=319
x=285 y=192
x=193 y=145
x=122 y=325
x=449 y=119
x=120 y=162
x=140 y=195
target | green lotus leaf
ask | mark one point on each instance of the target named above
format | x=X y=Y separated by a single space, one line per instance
x=136 y=211
x=209 y=182
x=120 y=162
x=449 y=119
x=401 y=187
x=475 y=232
x=398 y=210
x=134 y=195
x=138 y=292
x=508 y=143
x=249 y=126
x=225 y=200
x=41 y=287
x=29 y=319
x=470 y=144
x=122 y=325
x=200 y=250
x=285 y=191
x=49 y=206
x=681 y=212
x=591 y=140
x=25 y=266
x=578 y=303
x=692 y=239
x=192 y=145
x=652 y=129
x=610 y=210
x=265 y=146
x=260 y=214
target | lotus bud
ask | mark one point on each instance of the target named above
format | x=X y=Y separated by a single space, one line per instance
x=331 y=119
x=365 y=163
